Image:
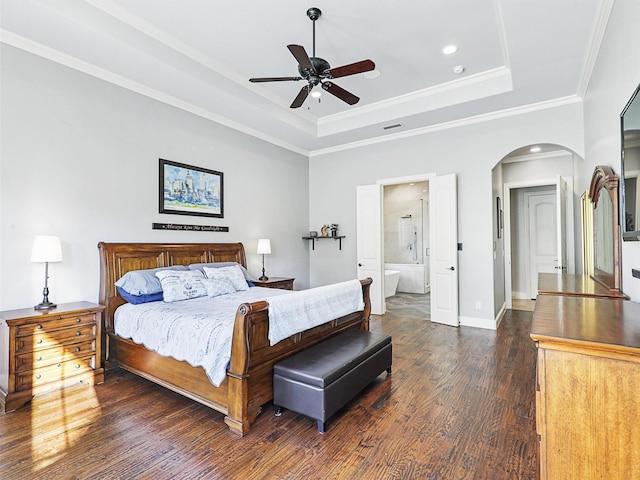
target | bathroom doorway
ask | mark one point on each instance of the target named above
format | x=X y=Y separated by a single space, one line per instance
x=406 y=248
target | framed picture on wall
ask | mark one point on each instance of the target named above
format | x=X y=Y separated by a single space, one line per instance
x=189 y=190
x=499 y=216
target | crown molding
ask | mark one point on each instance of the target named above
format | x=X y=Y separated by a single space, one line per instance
x=17 y=41
x=510 y=112
x=599 y=29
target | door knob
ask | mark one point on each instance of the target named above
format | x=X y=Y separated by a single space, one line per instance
x=359 y=264
x=451 y=268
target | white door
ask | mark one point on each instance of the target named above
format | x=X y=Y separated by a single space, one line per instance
x=543 y=237
x=369 y=242
x=443 y=239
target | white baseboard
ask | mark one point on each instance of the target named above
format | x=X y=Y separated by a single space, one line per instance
x=486 y=323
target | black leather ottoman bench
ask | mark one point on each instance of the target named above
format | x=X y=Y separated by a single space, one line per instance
x=320 y=380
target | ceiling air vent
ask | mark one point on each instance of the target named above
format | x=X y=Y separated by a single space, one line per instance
x=389 y=127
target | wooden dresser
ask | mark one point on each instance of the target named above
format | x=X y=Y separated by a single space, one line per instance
x=46 y=350
x=588 y=387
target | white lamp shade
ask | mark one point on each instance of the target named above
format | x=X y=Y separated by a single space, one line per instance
x=46 y=248
x=264 y=246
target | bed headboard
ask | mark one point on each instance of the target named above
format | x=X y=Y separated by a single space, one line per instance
x=116 y=259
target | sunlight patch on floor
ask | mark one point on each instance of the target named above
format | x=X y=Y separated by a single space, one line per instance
x=48 y=444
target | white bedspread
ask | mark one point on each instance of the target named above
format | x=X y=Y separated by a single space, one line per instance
x=198 y=331
x=305 y=309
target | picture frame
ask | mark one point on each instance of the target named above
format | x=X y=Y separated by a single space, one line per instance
x=190 y=190
x=499 y=216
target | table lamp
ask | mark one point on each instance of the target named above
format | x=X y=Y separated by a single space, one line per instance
x=46 y=248
x=264 y=248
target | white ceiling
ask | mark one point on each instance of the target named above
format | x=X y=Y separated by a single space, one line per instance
x=199 y=54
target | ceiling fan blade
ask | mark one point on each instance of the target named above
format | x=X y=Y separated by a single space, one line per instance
x=274 y=79
x=302 y=96
x=301 y=56
x=340 y=92
x=351 y=69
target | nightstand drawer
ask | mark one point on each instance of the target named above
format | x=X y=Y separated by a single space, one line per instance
x=54 y=373
x=36 y=327
x=40 y=358
x=56 y=338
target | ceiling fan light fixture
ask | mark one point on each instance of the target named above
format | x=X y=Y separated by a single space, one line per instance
x=317 y=71
x=316 y=94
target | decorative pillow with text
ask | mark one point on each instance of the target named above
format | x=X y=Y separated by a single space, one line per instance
x=233 y=273
x=181 y=285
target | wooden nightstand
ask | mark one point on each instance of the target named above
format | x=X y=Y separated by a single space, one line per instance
x=47 y=350
x=283 y=283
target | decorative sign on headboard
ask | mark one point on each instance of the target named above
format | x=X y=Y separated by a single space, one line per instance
x=190 y=228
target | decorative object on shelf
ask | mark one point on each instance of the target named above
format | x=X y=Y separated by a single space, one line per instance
x=46 y=248
x=188 y=190
x=324 y=230
x=313 y=233
x=334 y=229
x=264 y=248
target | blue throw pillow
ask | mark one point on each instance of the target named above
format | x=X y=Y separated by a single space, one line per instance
x=144 y=282
x=137 y=299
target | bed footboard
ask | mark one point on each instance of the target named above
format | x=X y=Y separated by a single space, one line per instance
x=250 y=375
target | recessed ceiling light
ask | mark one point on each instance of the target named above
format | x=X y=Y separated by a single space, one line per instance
x=316 y=94
x=372 y=74
x=458 y=69
x=535 y=149
x=449 y=49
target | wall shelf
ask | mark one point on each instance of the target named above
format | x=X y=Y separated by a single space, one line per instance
x=313 y=240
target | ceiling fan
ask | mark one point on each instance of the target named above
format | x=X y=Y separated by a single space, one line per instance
x=316 y=70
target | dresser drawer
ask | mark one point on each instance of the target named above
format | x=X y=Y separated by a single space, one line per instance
x=36 y=327
x=48 y=356
x=54 y=373
x=57 y=338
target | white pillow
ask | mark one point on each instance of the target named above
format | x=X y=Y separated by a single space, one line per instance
x=218 y=286
x=233 y=273
x=178 y=285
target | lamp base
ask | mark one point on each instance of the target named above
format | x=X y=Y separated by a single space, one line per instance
x=263 y=278
x=45 y=306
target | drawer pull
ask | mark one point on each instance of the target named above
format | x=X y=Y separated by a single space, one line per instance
x=78 y=349
x=39 y=327
x=59 y=365
x=78 y=320
x=38 y=358
x=38 y=376
x=39 y=341
x=78 y=334
x=77 y=365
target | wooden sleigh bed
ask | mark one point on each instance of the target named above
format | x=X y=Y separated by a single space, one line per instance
x=249 y=381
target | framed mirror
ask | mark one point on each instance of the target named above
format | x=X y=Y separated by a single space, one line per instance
x=603 y=193
x=630 y=175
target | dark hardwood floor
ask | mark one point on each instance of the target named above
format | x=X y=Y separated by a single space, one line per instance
x=459 y=405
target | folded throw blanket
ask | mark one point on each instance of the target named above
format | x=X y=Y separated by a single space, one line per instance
x=305 y=309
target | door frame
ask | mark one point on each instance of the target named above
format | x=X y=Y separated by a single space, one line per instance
x=394 y=181
x=569 y=227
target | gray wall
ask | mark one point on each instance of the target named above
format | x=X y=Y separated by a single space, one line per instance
x=470 y=151
x=615 y=77
x=79 y=159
